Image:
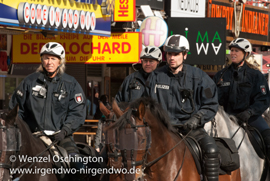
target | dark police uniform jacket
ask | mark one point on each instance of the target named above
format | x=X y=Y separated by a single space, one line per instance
x=189 y=92
x=242 y=89
x=133 y=87
x=53 y=104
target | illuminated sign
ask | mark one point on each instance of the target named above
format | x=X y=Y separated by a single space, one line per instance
x=206 y=36
x=70 y=19
x=255 y=22
x=119 y=48
x=84 y=17
x=154 y=31
x=125 y=10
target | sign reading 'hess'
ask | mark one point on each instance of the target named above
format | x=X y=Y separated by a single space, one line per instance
x=41 y=15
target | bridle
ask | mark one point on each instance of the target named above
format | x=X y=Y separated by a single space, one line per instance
x=131 y=121
x=10 y=144
x=11 y=140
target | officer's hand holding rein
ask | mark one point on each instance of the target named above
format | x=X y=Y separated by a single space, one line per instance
x=60 y=136
x=244 y=116
x=193 y=122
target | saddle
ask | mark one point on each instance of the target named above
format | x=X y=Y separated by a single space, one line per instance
x=228 y=154
x=256 y=140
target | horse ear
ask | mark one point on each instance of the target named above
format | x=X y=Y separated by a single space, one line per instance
x=116 y=109
x=141 y=110
x=104 y=110
x=12 y=115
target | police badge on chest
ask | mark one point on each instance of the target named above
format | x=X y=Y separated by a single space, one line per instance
x=39 y=91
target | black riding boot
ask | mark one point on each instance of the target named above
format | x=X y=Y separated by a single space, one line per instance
x=266 y=138
x=210 y=158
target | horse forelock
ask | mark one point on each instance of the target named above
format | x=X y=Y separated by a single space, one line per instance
x=156 y=110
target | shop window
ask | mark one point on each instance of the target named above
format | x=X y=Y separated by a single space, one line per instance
x=10 y=86
x=92 y=95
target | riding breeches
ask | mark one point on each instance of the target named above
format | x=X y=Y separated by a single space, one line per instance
x=210 y=153
x=259 y=123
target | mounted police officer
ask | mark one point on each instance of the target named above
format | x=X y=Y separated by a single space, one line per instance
x=190 y=97
x=136 y=85
x=243 y=90
x=49 y=99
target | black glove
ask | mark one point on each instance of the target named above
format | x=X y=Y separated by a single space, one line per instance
x=244 y=116
x=60 y=136
x=193 y=122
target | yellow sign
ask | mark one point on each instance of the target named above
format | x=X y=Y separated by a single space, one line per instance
x=125 y=10
x=119 y=48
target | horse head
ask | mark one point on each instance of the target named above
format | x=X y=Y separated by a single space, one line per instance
x=10 y=141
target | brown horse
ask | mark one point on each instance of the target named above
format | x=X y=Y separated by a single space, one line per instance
x=113 y=153
x=168 y=158
x=17 y=142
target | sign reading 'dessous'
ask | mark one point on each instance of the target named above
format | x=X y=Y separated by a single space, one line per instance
x=188 y=8
x=119 y=48
x=206 y=36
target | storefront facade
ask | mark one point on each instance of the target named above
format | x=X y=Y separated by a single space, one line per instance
x=40 y=22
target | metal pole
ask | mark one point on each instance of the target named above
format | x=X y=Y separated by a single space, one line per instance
x=269 y=77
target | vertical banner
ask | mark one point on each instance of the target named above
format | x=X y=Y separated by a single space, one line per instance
x=125 y=10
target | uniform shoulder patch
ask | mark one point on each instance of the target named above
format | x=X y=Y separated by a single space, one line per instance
x=263 y=90
x=19 y=93
x=78 y=98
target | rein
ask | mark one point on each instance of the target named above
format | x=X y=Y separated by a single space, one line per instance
x=149 y=164
x=39 y=154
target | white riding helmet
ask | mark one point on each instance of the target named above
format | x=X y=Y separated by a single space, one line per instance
x=53 y=48
x=176 y=43
x=242 y=44
x=151 y=52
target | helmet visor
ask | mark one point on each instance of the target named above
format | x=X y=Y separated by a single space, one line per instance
x=174 y=49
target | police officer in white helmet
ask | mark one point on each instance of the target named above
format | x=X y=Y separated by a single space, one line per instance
x=49 y=99
x=137 y=84
x=189 y=95
x=243 y=90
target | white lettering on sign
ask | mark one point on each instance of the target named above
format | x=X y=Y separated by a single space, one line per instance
x=76 y=19
x=82 y=20
x=44 y=15
x=88 y=21
x=51 y=16
x=93 y=21
x=57 y=17
x=64 y=18
x=70 y=18
x=26 y=12
x=33 y=13
x=36 y=14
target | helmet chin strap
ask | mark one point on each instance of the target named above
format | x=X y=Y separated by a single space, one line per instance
x=236 y=65
x=51 y=73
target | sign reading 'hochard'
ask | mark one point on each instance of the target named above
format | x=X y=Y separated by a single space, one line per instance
x=206 y=36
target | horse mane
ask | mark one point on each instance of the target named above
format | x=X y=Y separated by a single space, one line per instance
x=224 y=114
x=155 y=108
